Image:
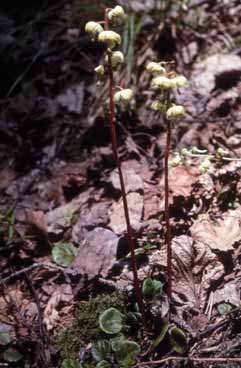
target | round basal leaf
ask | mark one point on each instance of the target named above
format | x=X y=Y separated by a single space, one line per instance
x=5 y=338
x=103 y=364
x=11 y=355
x=161 y=336
x=178 y=340
x=151 y=288
x=110 y=321
x=64 y=254
x=127 y=352
x=224 y=308
x=100 y=350
x=70 y=363
x=117 y=341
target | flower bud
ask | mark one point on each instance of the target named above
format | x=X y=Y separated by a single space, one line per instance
x=123 y=97
x=100 y=71
x=184 y=152
x=162 y=82
x=220 y=153
x=116 y=15
x=110 y=38
x=155 y=68
x=180 y=81
x=117 y=58
x=158 y=106
x=93 y=28
x=176 y=161
x=175 y=112
x=205 y=166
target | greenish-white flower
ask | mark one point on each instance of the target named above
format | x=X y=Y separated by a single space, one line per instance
x=205 y=166
x=123 y=97
x=155 y=68
x=117 y=14
x=93 y=28
x=176 y=161
x=158 y=106
x=162 y=82
x=185 y=152
x=180 y=81
x=117 y=58
x=220 y=152
x=100 y=71
x=175 y=112
x=110 y=38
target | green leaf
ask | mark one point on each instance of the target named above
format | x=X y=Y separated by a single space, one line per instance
x=103 y=364
x=110 y=321
x=151 y=288
x=178 y=340
x=126 y=353
x=100 y=350
x=161 y=336
x=5 y=338
x=64 y=254
x=224 y=308
x=12 y=355
x=70 y=363
x=117 y=341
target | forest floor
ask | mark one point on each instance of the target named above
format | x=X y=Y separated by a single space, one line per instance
x=64 y=258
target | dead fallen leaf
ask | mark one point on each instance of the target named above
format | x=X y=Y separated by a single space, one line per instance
x=229 y=293
x=117 y=217
x=133 y=181
x=220 y=234
x=181 y=181
x=97 y=253
x=195 y=268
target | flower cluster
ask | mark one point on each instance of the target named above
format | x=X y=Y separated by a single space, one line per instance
x=165 y=82
x=111 y=40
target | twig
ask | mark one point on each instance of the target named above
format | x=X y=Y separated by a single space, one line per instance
x=190 y=359
x=42 y=331
x=30 y=268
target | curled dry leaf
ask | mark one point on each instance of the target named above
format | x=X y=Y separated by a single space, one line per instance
x=195 y=268
x=220 y=234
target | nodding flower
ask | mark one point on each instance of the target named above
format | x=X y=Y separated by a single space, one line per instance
x=158 y=106
x=163 y=83
x=110 y=38
x=123 y=97
x=117 y=58
x=155 y=68
x=116 y=15
x=93 y=28
x=100 y=71
x=175 y=112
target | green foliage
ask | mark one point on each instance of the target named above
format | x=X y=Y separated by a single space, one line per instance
x=85 y=327
x=111 y=321
x=126 y=352
x=64 y=254
x=224 y=308
x=103 y=364
x=101 y=350
x=151 y=288
x=178 y=340
x=70 y=363
x=5 y=338
x=161 y=336
x=12 y=355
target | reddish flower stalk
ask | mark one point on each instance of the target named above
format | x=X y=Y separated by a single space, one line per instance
x=130 y=236
x=167 y=210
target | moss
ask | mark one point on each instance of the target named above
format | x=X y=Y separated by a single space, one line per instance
x=85 y=327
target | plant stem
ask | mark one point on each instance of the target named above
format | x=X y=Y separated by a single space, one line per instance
x=130 y=236
x=167 y=210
